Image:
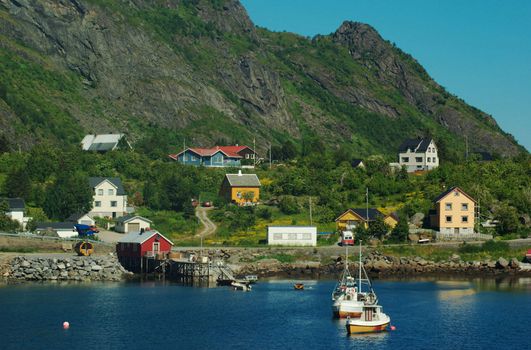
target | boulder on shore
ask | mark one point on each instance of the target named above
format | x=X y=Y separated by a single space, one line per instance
x=502 y=263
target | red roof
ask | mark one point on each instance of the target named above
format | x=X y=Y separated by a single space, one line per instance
x=229 y=151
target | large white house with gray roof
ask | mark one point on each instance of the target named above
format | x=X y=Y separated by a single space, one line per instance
x=418 y=154
x=109 y=197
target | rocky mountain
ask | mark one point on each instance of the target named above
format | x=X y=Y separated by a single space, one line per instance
x=201 y=70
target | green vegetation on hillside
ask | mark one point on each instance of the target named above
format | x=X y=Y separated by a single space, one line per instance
x=162 y=190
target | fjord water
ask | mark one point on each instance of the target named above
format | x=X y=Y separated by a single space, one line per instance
x=478 y=314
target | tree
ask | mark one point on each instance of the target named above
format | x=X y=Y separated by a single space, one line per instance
x=288 y=205
x=508 y=219
x=18 y=184
x=288 y=150
x=378 y=228
x=68 y=195
x=401 y=230
x=6 y=223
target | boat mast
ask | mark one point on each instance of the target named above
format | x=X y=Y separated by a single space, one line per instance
x=359 y=277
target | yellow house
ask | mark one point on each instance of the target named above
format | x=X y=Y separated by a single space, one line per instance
x=353 y=217
x=454 y=212
x=241 y=189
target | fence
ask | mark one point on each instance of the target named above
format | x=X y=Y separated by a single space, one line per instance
x=462 y=236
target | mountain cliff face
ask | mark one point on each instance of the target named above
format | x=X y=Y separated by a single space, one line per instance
x=201 y=70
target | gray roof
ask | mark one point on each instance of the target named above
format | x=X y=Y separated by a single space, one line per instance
x=127 y=218
x=75 y=217
x=14 y=203
x=141 y=237
x=55 y=226
x=95 y=181
x=243 y=180
x=416 y=145
x=373 y=213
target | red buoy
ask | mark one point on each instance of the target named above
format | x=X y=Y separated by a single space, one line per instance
x=66 y=325
x=393 y=328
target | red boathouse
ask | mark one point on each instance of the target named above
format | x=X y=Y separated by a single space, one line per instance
x=136 y=249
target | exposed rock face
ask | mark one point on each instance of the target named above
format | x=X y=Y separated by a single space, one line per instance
x=138 y=65
x=71 y=268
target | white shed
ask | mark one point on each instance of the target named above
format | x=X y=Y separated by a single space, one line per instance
x=80 y=218
x=131 y=223
x=292 y=235
x=62 y=229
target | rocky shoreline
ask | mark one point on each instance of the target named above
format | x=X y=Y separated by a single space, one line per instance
x=377 y=264
x=99 y=268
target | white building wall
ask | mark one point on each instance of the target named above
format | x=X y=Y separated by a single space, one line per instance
x=105 y=200
x=428 y=160
x=292 y=235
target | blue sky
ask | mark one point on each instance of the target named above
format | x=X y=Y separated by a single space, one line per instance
x=479 y=50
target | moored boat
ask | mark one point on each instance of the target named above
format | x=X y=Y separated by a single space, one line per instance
x=346 y=299
x=298 y=286
x=372 y=319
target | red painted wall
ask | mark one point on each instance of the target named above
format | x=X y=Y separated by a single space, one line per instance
x=128 y=249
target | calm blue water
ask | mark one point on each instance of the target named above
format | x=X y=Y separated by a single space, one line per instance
x=153 y=315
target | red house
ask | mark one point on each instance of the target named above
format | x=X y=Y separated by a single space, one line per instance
x=135 y=248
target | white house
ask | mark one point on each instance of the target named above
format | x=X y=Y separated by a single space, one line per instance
x=82 y=219
x=109 y=198
x=16 y=211
x=132 y=223
x=62 y=229
x=292 y=235
x=103 y=142
x=418 y=154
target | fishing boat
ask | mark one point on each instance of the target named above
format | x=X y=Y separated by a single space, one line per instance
x=372 y=318
x=345 y=295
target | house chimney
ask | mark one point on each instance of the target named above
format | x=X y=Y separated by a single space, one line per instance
x=141 y=231
x=239 y=173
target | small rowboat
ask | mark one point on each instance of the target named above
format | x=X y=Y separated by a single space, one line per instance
x=298 y=286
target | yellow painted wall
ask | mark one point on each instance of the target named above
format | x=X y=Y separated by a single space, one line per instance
x=342 y=221
x=389 y=220
x=242 y=190
x=456 y=212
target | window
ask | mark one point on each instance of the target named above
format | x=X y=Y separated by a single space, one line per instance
x=252 y=156
x=464 y=206
x=405 y=159
x=418 y=159
x=277 y=236
x=448 y=206
x=292 y=236
x=114 y=204
x=456 y=193
x=429 y=160
x=97 y=204
x=306 y=236
x=434 y=159
x=247 y=156
x=100 y=192
x=464 y=218
x=110 y=192
x=448 y=218
x=193 y=158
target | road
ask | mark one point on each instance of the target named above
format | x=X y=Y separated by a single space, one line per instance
x=209 y=228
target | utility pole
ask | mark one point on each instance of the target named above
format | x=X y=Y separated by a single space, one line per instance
x=270 y=155
x=254 y=152
x=479 y=216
